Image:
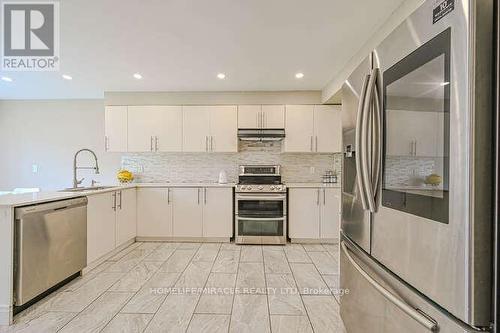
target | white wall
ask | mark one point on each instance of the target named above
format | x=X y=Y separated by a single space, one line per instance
x=48 y=133
x=331 y=92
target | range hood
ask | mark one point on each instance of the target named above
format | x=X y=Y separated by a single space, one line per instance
x=261 y=134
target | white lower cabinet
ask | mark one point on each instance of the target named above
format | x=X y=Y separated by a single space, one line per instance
x=111 y=222
x=314 y=214
x=217 y=212
x=154 y=212
x=330 y=214
x=185 y=212
x=100 y=225
x=126 y=216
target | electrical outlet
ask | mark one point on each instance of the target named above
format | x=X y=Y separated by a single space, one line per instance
x=312 y=170
x=34 y=168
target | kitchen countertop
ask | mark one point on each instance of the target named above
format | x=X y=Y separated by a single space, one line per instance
x=312 y=185
x=25 y=199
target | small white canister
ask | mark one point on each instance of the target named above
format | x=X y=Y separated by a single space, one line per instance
x=222 y=177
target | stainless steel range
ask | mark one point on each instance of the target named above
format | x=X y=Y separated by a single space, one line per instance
x=260 y=205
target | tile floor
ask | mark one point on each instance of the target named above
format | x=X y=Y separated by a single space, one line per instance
x=193 y=287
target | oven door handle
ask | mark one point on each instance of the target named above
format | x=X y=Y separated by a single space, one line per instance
x=261 y=218
x=262 y=198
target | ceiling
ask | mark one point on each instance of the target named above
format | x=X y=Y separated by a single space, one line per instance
x=181 y=45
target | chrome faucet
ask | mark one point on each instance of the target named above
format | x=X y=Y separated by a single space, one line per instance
x=77 y=182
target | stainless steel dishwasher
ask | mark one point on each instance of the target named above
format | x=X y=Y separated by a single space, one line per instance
x=50 y=246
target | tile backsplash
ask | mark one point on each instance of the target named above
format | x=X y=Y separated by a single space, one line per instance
x=205 y=167
x=409 y=170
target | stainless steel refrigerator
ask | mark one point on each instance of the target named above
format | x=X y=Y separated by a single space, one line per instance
x=417 y=194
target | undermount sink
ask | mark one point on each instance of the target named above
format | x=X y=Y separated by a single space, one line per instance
x=86 y=189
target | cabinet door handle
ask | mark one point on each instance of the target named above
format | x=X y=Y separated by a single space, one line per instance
x=198 y=195
x=311 y=143
x=211 y=143
x=206 y=143
x=317 y=197
x=205 y=195
x=106 y=143
x=415 y=149
x=168 y=196
x=156 y=143
x=114 y=201
x=120 y=202
x=324 y=197
x=151 y=143
x=264 y=120
x=316 y=143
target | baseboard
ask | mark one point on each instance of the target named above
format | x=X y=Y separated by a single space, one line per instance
x=107 y=256
x=6 y=315
x=315 y=240
x=185 y=239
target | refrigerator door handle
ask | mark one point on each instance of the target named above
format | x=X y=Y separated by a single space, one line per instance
x=377 y=136
x=359 y=136
x=366 y=142
x=422 y=318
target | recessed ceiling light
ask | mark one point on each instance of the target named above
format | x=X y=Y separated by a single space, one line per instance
x=67 y=77
x=299 y=75
x=221 y=76
x=7 y=79
x=138 y=76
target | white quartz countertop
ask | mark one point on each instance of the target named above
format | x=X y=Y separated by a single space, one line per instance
x=25 y=199
x=185 y=185
x=312 y=185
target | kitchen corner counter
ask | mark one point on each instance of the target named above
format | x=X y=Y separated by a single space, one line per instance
x=312 y=185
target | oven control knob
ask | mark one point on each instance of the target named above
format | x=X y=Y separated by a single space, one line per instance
x=261 y=188
x=243 y=188
x=272 y=188
x=249 y=188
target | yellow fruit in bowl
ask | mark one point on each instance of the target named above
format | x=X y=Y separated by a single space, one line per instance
x=433 y=179
x=125 y=176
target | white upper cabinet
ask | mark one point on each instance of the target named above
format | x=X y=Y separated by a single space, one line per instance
x=169 y=134
x=249 y=116
x=327 y=129
x=142 y=127
x=313 y=129
x=210 y=129
x=299 y=128
x=196 y=128
x=223 y=129
x=115 y=128
x=154 y=128
x=273 y=116
x=261 y=116
x=414 y=133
